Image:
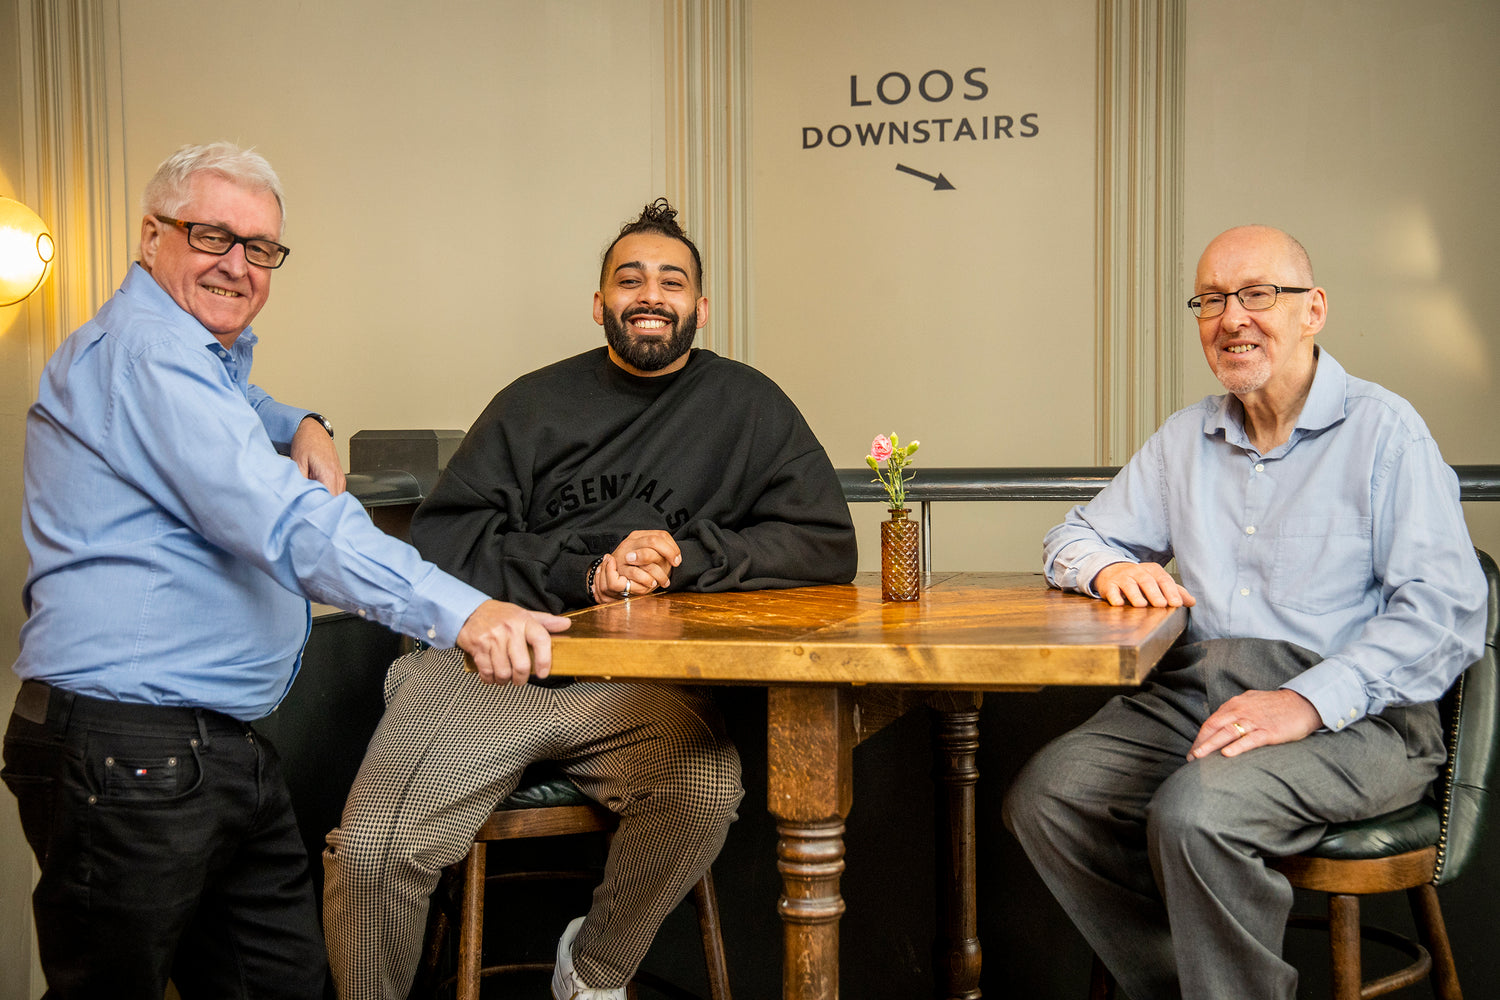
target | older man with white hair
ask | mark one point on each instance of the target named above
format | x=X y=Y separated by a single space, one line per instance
x=178 y=519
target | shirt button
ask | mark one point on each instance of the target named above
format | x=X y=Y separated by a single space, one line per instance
x=432 y=633
x=361 y=612
x=1250 y=530
x=1244 y=591
x=1259 y=467
x=1340 y=725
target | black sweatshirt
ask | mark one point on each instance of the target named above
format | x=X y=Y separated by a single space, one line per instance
x=568 y=460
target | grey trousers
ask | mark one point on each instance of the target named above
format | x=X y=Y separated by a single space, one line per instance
x=449 y=748
x=1159 y=862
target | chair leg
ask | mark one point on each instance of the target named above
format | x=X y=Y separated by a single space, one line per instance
x=706 y=899
x=471 y=928
x=425 y=986
x=1101 y=984
x=1434 y=934
x=1343 y=935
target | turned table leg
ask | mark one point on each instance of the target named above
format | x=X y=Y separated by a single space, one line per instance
x=809 y=750
x=955 y=742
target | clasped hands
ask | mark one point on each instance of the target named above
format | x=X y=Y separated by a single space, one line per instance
x=504 y=643
x=1246 y=721
x=643 y=562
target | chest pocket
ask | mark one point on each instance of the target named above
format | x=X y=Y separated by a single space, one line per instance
x=1322 y=564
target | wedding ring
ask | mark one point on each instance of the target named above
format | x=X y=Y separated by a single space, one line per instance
x=1239 y=728
x=627 y=589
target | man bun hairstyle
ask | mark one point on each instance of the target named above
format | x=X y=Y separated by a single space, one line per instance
x=660 y=218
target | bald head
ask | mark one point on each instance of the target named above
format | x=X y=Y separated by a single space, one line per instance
x=1266 y=243
x=1261 y=350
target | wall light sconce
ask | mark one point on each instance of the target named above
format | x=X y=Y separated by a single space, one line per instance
x=26 y=252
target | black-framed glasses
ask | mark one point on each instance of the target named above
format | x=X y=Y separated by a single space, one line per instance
x=1252 y=297
x=212 y=239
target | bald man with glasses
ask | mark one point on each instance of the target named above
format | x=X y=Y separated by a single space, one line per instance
x=1333 y=596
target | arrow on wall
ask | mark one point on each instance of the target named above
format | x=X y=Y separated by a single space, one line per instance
x=939 y=183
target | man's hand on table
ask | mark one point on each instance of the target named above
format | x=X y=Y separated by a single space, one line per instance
x=1141 y=585
x=643 y=562
x=505 y=643
x=1256 y=719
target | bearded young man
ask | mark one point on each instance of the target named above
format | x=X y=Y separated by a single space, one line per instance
x=638 y=466
x=1334 y=597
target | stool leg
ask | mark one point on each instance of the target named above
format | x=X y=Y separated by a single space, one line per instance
x=1434 y=934
x=1343 y=935
x=471 y=927
x=706 y=899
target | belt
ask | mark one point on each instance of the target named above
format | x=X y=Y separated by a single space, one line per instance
x=40 y=702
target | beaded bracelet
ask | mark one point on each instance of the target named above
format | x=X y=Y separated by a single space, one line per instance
x=588 y=581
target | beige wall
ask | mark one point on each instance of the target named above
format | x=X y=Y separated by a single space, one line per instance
x=1376 y=145
x=965 y=318
x=452 y=172
x=881 y=304
x=454 y=169
x=16 y=390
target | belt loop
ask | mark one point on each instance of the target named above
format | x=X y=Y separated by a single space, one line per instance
x=202 y=729
x=61 y=701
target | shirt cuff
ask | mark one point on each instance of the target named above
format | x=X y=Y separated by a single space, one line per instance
x=439 y=607
x=566 y=577
x=1335 y=691
x=280 y=420
x=1090 y=566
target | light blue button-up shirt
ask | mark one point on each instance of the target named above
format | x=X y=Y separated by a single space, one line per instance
x=1348 y=540
x=172 y=547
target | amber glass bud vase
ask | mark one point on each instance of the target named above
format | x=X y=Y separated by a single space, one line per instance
x=900 y=554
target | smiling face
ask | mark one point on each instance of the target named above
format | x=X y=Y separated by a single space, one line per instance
x=649 y=304
x=1264 y=355
x=223 y=293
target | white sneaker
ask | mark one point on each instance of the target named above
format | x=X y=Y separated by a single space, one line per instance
x=565 y=982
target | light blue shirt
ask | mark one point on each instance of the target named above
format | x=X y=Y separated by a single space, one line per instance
x=1348 y=540
x=173 y=548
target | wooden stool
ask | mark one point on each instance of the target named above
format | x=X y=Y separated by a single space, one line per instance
x=550 y=807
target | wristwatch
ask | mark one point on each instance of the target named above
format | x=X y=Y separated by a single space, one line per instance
x=322 y=420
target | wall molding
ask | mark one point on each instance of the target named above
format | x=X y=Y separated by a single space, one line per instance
x=708 y=155
x=73 y=154
x=1139 y=221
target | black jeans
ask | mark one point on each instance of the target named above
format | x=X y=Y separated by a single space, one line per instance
x=167 y=848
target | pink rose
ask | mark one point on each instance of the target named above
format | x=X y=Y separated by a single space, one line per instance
x=880 y=448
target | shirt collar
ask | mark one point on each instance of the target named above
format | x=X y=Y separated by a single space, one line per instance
x=1323 y=408
x=180 y=323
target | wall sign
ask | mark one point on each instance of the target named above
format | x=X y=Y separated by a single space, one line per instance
x=951 y=110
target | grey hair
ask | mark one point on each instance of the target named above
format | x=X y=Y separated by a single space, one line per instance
x=167 y=192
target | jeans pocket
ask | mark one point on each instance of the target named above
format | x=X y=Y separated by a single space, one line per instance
x=144 y=770
x=35 y=794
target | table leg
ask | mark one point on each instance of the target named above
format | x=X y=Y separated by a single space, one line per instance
x=809 y=755
x=955 y=742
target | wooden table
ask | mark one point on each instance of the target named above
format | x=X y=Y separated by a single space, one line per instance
x=838 y=664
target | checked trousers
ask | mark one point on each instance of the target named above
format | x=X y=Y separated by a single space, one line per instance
x=450 y=747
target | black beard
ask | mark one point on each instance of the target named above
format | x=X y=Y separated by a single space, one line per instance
x=649 y=355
